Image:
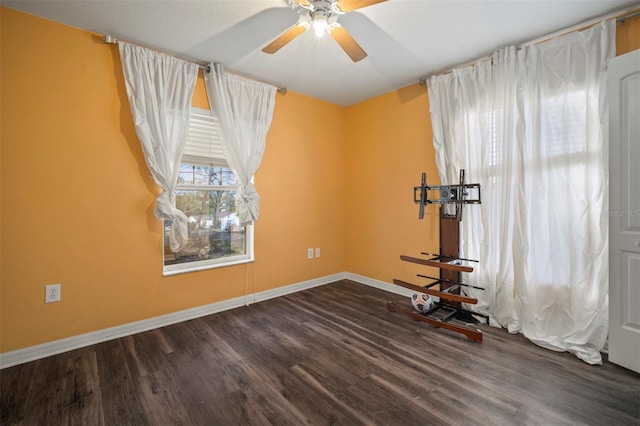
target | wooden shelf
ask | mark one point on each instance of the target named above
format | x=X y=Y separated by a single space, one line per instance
x=437 y=264
x=441 y=294
x=474 y=334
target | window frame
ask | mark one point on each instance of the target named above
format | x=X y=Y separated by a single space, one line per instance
x=201 y=265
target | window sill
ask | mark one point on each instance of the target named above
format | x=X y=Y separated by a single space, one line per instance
x=186 y=268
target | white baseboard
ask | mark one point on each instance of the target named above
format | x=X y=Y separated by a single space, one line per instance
x=33 y=353
x=382 y=285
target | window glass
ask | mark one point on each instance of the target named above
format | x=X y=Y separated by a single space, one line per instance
x=213 y=226
x=206 y=195
x=191 y=174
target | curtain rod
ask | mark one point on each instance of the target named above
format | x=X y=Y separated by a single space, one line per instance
x=109 y=39
x=630 y=15
x=619 y=16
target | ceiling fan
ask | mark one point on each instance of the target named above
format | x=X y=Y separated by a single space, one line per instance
x=322 y=16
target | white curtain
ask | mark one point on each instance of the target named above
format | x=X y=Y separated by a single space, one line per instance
x=245 y=109
x=160 y=88
x=531 y=127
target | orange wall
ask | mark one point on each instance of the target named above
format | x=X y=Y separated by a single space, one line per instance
x=302 y=179
x=389 y=145
x=77 y=198
x=628 y=35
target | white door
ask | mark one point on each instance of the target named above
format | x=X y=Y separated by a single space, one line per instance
x=624 y=210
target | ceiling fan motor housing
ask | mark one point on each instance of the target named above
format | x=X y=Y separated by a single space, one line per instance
x=329 y=7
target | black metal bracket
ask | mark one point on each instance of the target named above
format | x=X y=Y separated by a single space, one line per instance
x=458 y=195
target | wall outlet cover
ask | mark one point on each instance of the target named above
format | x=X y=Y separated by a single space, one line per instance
x=52 y=293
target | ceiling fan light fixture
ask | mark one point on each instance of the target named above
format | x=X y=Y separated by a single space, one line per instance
x=319 y=22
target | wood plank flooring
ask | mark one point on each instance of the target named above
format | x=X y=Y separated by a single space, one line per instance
x=329 y=355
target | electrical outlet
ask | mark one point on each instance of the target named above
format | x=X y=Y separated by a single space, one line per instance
x=52 y=293
x=318 y=252
x=310 y=253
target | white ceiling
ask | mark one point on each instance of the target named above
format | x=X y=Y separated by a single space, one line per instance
x=406 y=39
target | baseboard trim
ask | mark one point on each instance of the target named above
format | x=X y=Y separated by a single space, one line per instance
x=44 y=350
x=32 y=353
x=381 y=285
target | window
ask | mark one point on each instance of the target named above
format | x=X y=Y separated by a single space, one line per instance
x=561 y=140
x=557 y=168
x=206 y=192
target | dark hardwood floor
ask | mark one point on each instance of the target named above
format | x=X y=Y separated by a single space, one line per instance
x=329 y=355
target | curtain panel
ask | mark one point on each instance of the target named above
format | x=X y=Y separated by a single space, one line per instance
x=245 y=110
x=160 y=88
x=532 y=127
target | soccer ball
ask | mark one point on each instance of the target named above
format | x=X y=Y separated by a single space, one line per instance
x=422 y=302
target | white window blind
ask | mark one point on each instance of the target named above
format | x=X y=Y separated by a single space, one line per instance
x=204 y=140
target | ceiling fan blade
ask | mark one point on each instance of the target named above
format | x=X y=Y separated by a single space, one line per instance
x=348 y=44
x=349 y=5
x=304 y=3
x=286 y=37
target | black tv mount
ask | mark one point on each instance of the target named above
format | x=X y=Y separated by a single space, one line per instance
x=458 y=195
